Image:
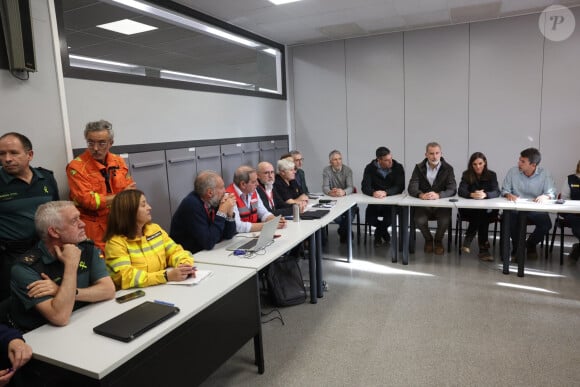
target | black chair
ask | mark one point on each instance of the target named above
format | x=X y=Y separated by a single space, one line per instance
x=562 y=223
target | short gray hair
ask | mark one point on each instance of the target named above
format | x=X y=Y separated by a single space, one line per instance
x=205 y=180
x=432 y=144
x=285 y=165
x=334 y=152
x=97 y=126
x=242 y=174
x=49 y=215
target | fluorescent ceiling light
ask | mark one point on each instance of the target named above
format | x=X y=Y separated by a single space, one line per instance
x=127 y=27
x=101 y=61
x=271 y=51
x=177 y=74
x=280 y=2
x=166 y=15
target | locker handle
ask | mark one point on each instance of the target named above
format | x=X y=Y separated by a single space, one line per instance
x=149 y=164
x=181 y=159
x=230 y=153
x=207 y=157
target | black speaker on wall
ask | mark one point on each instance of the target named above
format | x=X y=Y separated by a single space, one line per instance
x=17 y=27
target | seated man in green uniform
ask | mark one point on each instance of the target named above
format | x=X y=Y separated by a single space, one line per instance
x=61 y=274
x=22 y=190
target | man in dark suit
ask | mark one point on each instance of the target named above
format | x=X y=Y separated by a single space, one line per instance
x=432 y=178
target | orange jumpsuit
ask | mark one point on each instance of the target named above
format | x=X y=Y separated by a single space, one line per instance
x=87 y=180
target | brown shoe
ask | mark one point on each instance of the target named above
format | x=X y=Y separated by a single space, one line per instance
x=484 y=255
x=428 y=249
x=439 y=250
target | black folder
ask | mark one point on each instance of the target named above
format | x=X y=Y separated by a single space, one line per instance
x=316 y=214
x=134 y=322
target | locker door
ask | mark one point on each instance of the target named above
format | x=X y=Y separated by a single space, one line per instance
x=281 y=147
x=231 y=155
x=251 y=154
x=208 y=157
x=268 y=152
x=149 y=171
x=181 y=168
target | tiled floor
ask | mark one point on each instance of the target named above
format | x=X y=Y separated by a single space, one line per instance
x=442 y=320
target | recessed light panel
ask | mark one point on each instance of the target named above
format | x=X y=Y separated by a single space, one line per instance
x=127 y=27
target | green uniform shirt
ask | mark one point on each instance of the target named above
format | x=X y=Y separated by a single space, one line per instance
x=19 y=201
x=22 y=308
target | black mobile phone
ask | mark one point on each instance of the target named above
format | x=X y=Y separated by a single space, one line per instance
x=130 y=296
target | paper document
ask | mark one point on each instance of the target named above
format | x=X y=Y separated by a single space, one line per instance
x=200 y=275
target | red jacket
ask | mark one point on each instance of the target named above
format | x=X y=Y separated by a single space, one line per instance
x=246 y=214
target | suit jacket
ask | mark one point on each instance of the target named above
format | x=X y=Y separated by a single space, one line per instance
x=444 y=183
x=302 y=179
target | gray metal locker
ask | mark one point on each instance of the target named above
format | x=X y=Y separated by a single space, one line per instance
x=268 y=152
x=149 y=171
x=181 y=171
x=281 y=147
x=251 y=154
x=231 y=155
x=208 y=157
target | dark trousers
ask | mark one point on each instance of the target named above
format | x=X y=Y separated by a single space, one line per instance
x=540 y=219
x=574 y=222
x=373 y=213
x=478 y=222
x=424 y=214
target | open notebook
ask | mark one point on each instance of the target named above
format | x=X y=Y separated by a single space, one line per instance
x=200 y=275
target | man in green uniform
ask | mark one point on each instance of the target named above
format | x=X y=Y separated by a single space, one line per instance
x=22 y=190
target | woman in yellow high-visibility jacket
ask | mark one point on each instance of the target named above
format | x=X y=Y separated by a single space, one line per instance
x=140 y=253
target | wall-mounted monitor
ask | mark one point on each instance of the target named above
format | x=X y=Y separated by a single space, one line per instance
x=17 y=28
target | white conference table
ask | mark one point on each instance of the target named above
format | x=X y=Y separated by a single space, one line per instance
x=393 y=201
x=527 y=205
x=216 y=318
x=290 y=236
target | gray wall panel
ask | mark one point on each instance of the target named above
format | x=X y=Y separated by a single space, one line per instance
x=320 y=106
x=181 y=170
x=560 y=131
x=505 y=89
x=375 y=90
x=436 y=90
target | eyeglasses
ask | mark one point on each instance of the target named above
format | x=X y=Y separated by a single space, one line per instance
x=269 y=172
x=99 y=144
x=302 y=159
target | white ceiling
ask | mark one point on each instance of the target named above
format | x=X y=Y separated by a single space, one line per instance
x=310 y=21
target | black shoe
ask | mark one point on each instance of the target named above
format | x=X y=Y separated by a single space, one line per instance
x=378 y=240
x=531 y=252
x=387 y=238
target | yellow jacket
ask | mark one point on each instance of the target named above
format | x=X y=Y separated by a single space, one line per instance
x=142 y=261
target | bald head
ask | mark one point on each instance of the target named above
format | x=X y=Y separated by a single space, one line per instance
x=266 y=172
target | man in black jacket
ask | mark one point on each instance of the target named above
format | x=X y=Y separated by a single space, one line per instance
x=432 y=178
x=382 y=177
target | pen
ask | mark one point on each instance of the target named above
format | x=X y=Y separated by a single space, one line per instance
x=163 y=303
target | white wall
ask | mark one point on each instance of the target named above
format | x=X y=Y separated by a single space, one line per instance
x=142 y=114
x=32 y=107
x=139 y=114
x=496 y=87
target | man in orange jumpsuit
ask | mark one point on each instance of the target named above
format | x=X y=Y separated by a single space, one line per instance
x=95 y=177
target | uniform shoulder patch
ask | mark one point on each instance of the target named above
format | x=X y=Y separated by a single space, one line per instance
x=31 y=256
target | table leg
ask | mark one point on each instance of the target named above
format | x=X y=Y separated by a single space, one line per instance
x=522 y=226
x=349 y=233
x=405 y=231
x=312 y=269
x=319 y=287
x=395 y=236
x=505 y=240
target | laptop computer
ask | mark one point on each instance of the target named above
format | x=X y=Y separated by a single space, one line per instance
x=265 y=239
x=134 y=322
